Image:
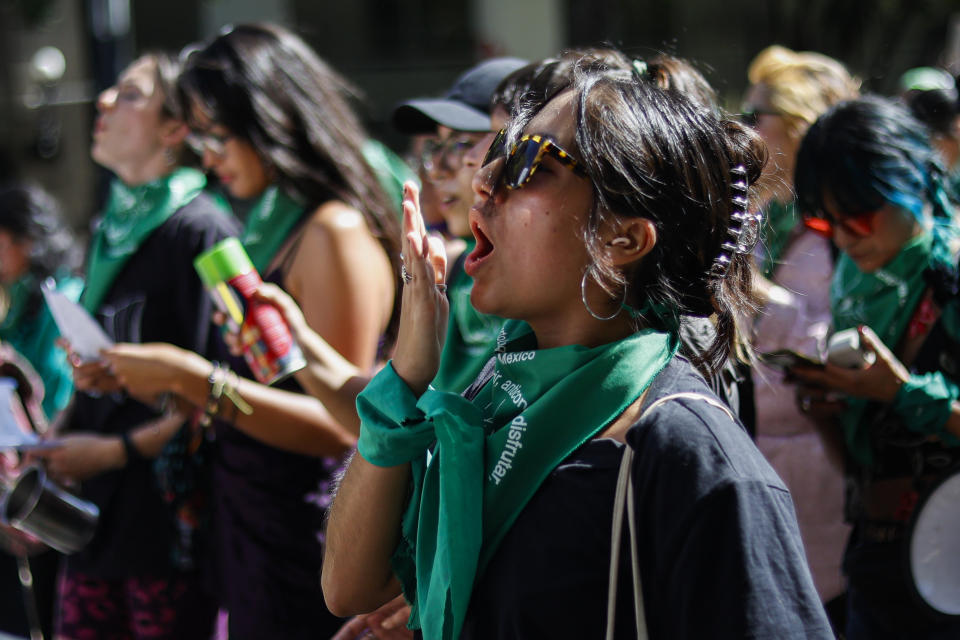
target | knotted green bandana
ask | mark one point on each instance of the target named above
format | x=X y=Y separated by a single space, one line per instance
x=492 y=453
x=778 y=228
x=885 y=301
x=131 y=215
x=471 y=335
x=268 y=224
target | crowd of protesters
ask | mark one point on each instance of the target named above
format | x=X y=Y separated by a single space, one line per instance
x=566 y=370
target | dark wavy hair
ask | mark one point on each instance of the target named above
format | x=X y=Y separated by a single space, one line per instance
x=265 y=85
x=656 y=153
x=30 y=214
x=868 y=152
x=536 y=83
x=865 y=153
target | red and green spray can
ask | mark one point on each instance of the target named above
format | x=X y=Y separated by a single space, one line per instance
x=231 y=279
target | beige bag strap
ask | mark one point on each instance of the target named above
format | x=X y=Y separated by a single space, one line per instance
x=624 y=498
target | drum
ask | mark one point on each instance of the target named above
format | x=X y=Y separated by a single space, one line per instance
x=934 y=547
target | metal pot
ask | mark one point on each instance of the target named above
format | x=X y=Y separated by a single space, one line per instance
x=35 y=505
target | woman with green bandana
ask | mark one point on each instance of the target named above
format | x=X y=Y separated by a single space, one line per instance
x=464 y=121
x=788 y=91
x=601 y=219
x=35 y=244
x=866 y=175
x=274 y=123
x=139 y=571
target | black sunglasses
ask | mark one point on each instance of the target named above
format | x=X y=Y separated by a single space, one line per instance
x=526 y=156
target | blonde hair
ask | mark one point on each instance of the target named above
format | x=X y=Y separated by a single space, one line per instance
x=802 y=84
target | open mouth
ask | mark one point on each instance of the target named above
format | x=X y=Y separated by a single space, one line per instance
x=480 y=252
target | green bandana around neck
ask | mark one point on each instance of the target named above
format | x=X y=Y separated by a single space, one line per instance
x=471 y=335
x=131 y=215
x=885 y=301
x=779 y=223
x=493 y=453
x=268 y=225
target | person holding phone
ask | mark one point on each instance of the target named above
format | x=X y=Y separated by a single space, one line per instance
x=868 y=178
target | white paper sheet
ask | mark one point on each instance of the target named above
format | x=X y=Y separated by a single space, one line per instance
x=12 y=433
x=86 y=337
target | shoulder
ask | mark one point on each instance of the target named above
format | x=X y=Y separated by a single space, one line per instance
x=192 y=228
x=692 y=433
x=333 y=231
x=205 y=214
x=336 y=217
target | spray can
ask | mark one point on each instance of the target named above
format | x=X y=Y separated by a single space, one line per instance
x=230 y=278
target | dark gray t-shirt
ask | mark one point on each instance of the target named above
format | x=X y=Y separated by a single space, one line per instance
x=720 y=552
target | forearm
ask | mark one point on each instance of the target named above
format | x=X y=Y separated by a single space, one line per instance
x=362 y=534
x=333 y=380
x=151 y=437
x=294 y=422
x=286 y=420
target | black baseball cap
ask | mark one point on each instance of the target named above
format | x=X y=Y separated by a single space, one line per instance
x=464 y=107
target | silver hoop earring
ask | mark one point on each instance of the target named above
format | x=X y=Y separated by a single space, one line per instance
x=583 y=298
x=169 y=156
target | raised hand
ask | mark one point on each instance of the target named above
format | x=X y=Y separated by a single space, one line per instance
x=425 y=309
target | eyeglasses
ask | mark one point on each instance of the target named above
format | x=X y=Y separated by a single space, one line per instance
x=750 y=116
x=202 y=142
x=526 y=156
x=860 y=225
x=445 y=153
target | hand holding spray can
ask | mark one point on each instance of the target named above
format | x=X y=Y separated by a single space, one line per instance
x=230 y=278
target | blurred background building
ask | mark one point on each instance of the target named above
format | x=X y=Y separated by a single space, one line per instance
x=56 y=55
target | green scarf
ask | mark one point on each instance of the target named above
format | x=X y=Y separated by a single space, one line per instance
x=268 y=225
x=778 y=226
x=390 y=170
x=471 y=335
x=884 y=300
x=131 y=215
x=492 y=453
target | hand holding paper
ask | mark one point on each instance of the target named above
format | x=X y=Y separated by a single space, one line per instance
x=78 y=327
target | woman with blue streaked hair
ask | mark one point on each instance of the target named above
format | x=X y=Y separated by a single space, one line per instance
x=866 y=175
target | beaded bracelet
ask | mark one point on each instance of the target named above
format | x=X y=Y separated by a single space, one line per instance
x=223 y=382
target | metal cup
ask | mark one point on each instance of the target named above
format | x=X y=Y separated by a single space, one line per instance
x=35 y=505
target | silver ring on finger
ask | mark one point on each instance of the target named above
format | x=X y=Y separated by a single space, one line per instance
x=405 y=275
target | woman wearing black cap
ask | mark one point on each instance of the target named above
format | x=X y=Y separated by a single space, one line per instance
x=462 y=122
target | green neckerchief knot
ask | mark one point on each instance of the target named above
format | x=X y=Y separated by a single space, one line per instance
x=268 y=225
x=884 y=300
x=131 y=215
x=778 y=226
x=492 y=453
